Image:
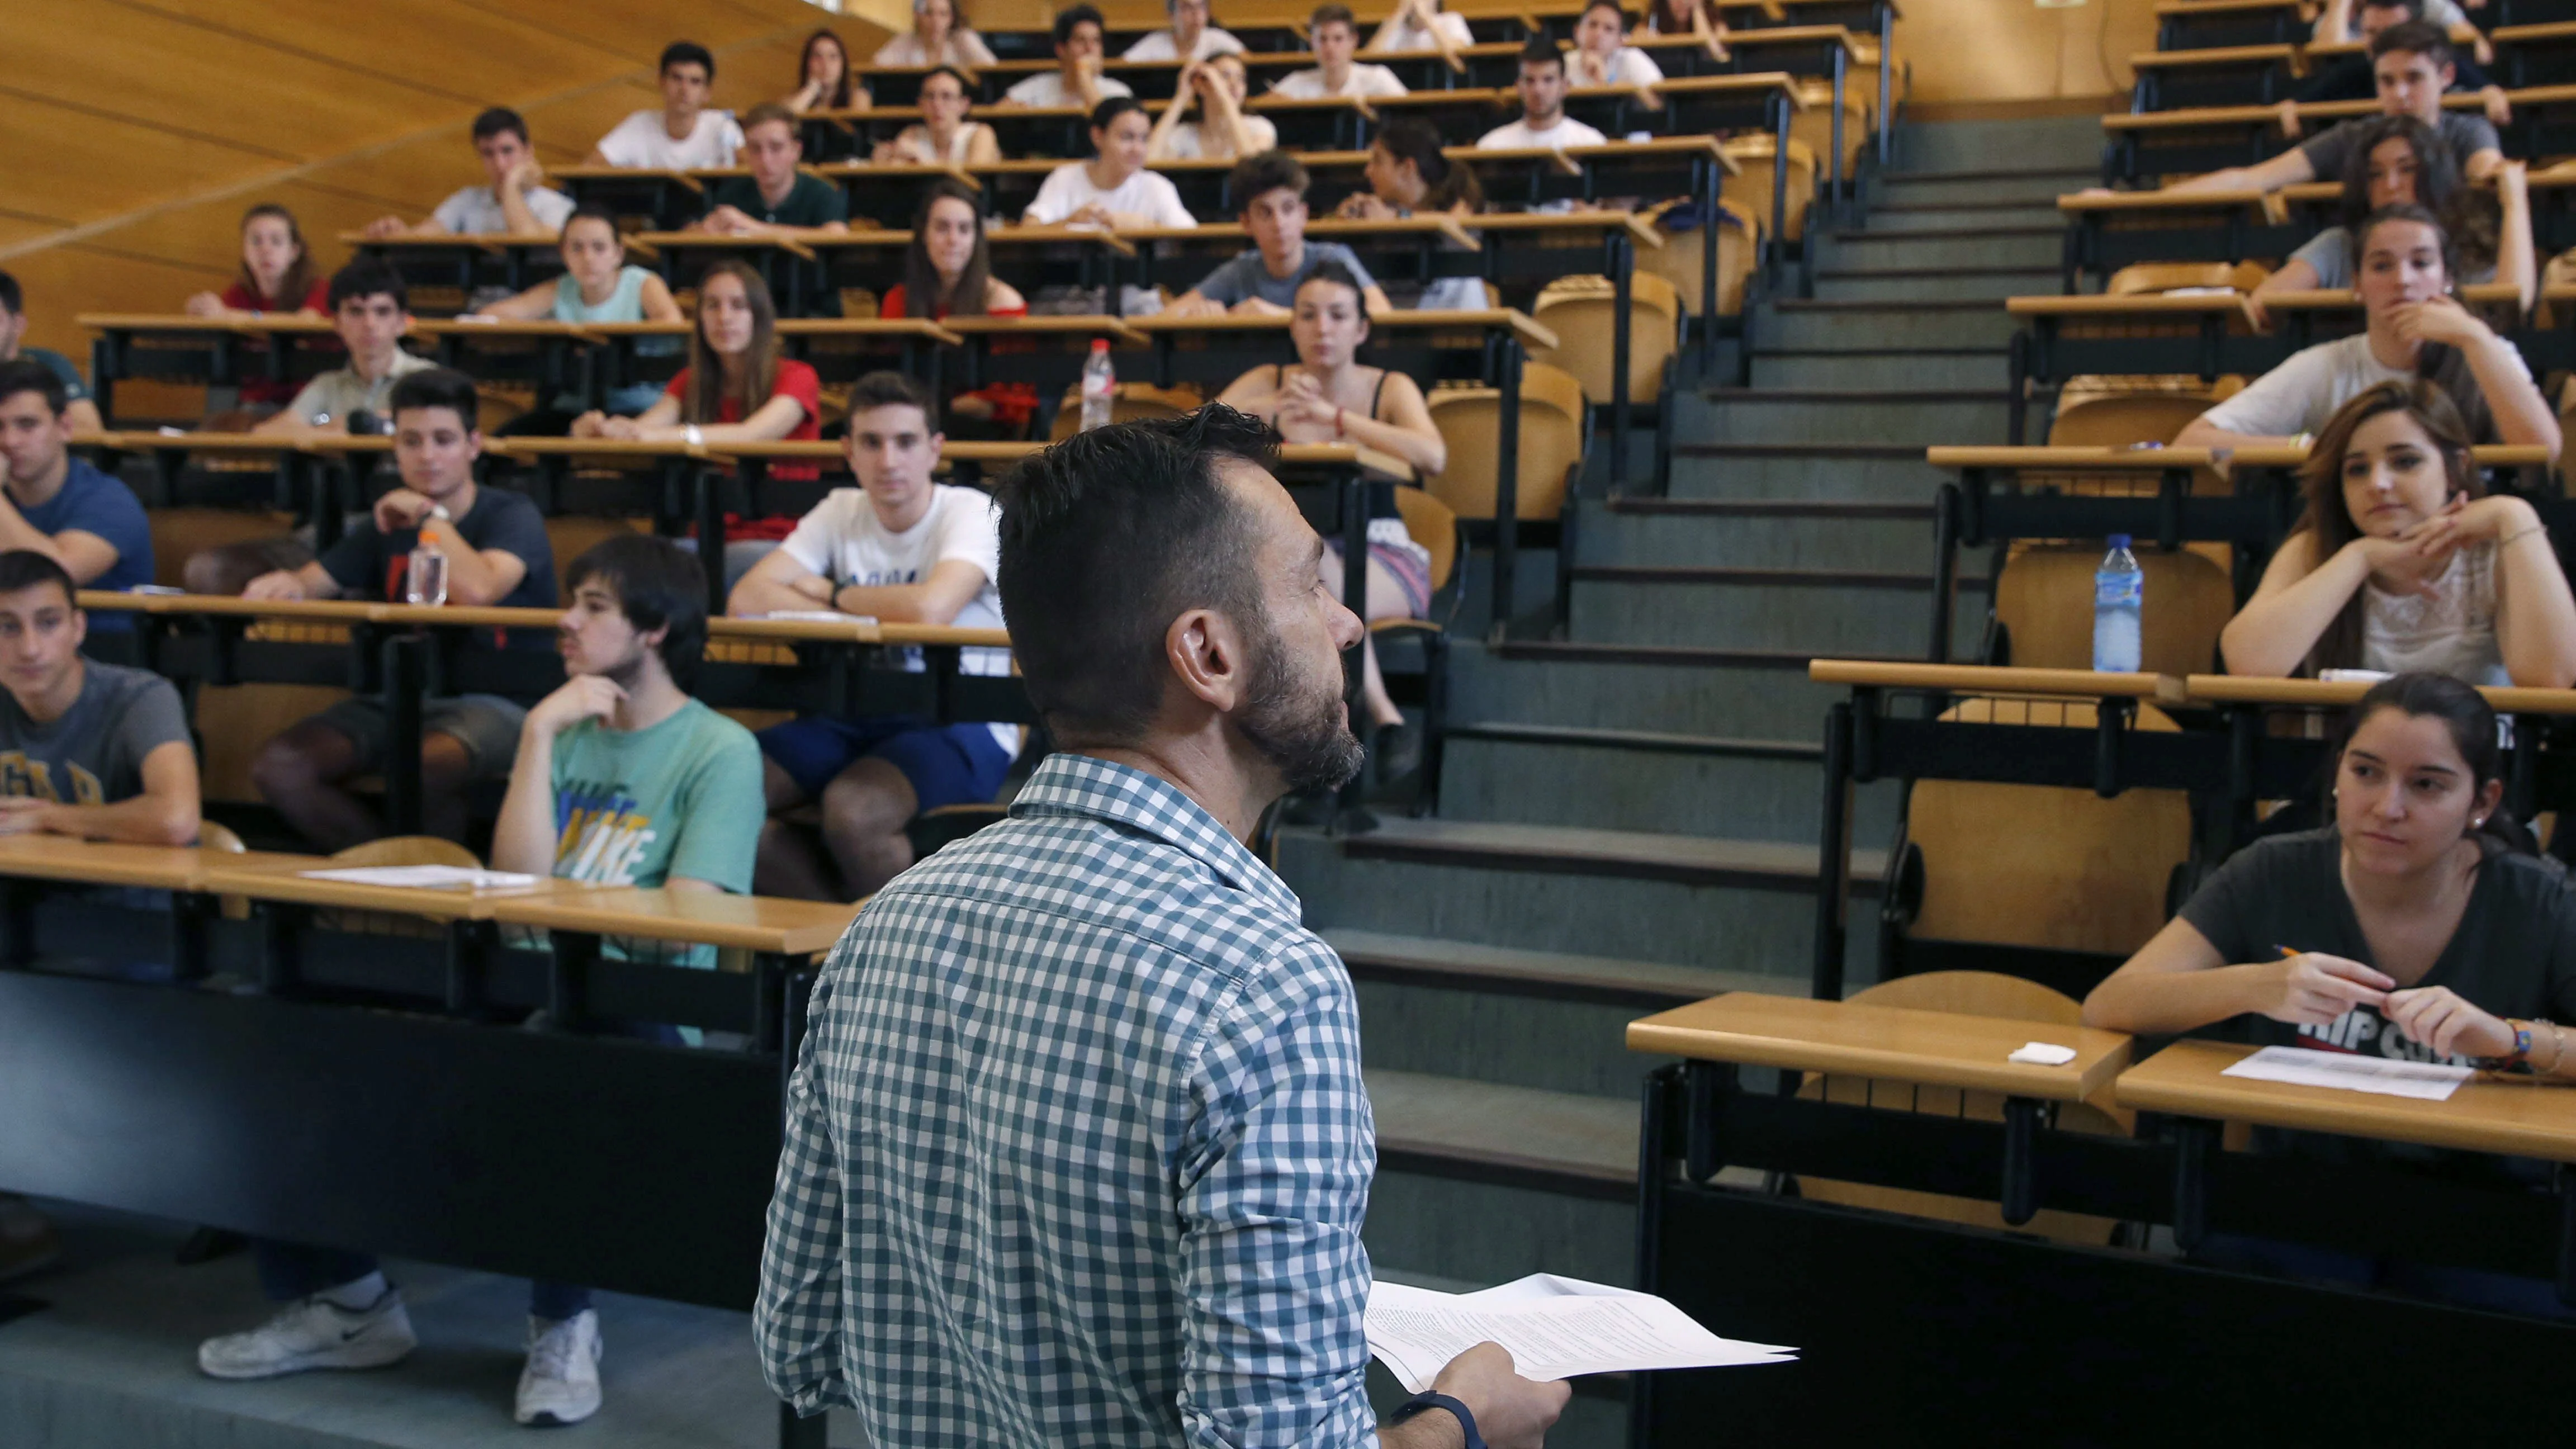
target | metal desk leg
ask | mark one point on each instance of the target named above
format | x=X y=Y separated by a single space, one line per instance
x=106 y=360
x=1886 y=85
x=1623 y=265
x=1779 y=177
x=2194 y=1141
x=1712 y=223
x=711 y=544
x=1351 y=495
x=1836 y=169
x=406 y=678
x=1507 y=489
x=2020 y=1196
x=1833 y=856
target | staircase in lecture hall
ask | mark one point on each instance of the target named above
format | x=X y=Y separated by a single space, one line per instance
x=1628 y=815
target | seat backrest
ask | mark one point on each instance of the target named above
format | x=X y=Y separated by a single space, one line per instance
x=1134 y=400
x=1739 y=244
x=179 y=532
x=1583 y=312
x=1434 y=525
x=407 y=850
x=1751 y=184
x=2118 y=420
x=2045 y=598
x=214 y=835
x=1976 y=993
x=1551 y=443
x=1813 y=122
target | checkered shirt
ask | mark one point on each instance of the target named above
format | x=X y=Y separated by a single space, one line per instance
x=1077 y=1152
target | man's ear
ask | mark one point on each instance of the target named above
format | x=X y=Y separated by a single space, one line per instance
x=1207 y=654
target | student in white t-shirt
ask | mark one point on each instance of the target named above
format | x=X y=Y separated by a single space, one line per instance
x=1602 y=55
x=682 y=136
x=1336 y=38
x=514 y=201
x=1419 y=25
x=902 y=550
x=1113 y=188
x=2415 y=328
x=1076 y=79
x=1192 y=36
x=1214 y=89
x=1543 y=119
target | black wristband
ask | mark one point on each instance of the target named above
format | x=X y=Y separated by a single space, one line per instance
x=1457 y=1410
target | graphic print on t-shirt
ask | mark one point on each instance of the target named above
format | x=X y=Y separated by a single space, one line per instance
x=2362 y=1031
x=600 y=833
x=20 y=776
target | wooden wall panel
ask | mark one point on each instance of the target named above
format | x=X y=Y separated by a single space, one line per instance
x=2009 y=50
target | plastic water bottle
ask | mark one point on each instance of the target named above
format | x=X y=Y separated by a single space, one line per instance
x=1099 y=386
x=425 y=581
x=2119 y=597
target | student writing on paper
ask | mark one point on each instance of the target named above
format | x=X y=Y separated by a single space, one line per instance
x=1088 y=1068
x=2421 y=928
x=2403 y=561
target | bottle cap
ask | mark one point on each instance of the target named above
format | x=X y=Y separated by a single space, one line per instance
x=2119 y=540
x=1100 y=344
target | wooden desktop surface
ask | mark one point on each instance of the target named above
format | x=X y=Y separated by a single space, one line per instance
x=2521 y=1117
x=1531 y=333
x=2239 y=689
x=1936 y=1048
x=359 y=611
x=1995 y=679
x=756 y=923
x=2151 y=460
x=284 y=880
x=114 y=863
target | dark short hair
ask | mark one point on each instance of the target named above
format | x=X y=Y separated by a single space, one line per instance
x=964 y=87
x=1542 y=51
x=886 y=389
x=1072 y=16
x=2415 y=37
x=368 y=277
x=1110 y=110
x=766 y=113
x=658 y=585
x=682 y=52
x=498 y=120
x=1140 y=503
x=12 y=301
x=592 y=211
x=24 y=568
x=436 y=387
x=1264 y=171
x=1328 y=14
x=26 y=374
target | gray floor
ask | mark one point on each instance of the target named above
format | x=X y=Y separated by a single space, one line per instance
x=111 y=1363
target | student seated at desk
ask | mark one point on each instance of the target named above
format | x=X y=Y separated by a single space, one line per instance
x=1193 y=36
x=1601 y=54
x=597 y=285
x=902 y=550
x=777 y=196
x=2341 y=22
x=1263 y=281
x=94 y=750
x=80 y=411
x=2398 y=161
x=2348 y=78
x=497 y=553
x=1215 y=89
x=1076 y=80
x=736 y=386
x=277 y=276
x=1420 y=25
x=514 y=199
x=1543 y=121
x=940 y=36
x=1408 y=173
x=1113 y=188
x=58 y=505
x=1328 y=397
x=2413 y=67
x=370 y=310
x=2415 y=329
x=2403 y=562
x=824 y=80
x=1335 y=36
x=948 y=272
x=943 y=136
x=1687 y=17
x=2418 y=926
x=683 y=135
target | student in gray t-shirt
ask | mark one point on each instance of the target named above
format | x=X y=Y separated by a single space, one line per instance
x=1270 y=188
x=88 y=749
x=370 y=309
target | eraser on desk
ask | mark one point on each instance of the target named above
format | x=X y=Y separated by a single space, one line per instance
x=2042 y=1054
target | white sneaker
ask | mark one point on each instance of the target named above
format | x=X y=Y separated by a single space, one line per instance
x=314 y=1333
x=560 y=1385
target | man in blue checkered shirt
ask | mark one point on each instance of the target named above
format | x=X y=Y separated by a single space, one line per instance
x=1078 y=1149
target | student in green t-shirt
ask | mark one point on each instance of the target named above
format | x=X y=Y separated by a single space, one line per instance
x=622 y=778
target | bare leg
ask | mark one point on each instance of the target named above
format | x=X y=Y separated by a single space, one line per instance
x=445 y=768
x=790 y=863
x=864 y=811
x=299 y=773
x=1385 y=601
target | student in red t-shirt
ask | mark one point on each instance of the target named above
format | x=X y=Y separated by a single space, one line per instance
x=949 y=270
x=277 y=275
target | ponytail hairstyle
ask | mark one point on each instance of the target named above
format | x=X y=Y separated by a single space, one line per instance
x=759 y=373
x=1411 y=138
x=2472 y=726
x=2327 y=516
x=2438 y=363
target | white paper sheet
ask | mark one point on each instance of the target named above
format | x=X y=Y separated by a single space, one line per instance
x=432 y=876
x=2386 y=1076
x=1555 y=1328
x=2042 y=1054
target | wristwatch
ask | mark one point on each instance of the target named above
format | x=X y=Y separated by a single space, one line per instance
x=694 y=434
x=439 y=512
x=1457 y=1410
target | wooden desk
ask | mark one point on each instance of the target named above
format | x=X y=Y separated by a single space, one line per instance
x=285 y=880
x=2269 y=67
x=763 y=924
x=2320 y=694
x=1936 y=1048
x=2190 y=24
x=2123 y=228
x=114 y=863
x=2520 y=1118
x=1517 y=324
x=670 y=199
x=1984 y=679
